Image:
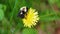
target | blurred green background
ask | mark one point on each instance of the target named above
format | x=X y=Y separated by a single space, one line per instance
x=49 y=14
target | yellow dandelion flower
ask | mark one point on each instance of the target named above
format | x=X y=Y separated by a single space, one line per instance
x=31 y=18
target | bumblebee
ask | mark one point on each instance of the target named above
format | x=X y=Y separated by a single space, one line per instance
x=23 y=11
x=29 y=15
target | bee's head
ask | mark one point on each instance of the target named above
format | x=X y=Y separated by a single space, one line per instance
x=22 y=12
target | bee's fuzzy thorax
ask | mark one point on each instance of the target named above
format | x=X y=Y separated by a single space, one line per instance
x=22 y=12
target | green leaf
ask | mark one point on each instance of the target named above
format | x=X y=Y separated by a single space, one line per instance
x=48 y=15
x=58 y=15
x=4 y=31
x=29 y=31
x=58 y=3
x=0 y=30
x=11 y=3
x=52 y=1
x=3 y=7
x=1 y=14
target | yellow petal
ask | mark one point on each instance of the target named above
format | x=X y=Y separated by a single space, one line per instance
x=31 y=18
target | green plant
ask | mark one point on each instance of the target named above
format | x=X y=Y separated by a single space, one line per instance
x=11 y=24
